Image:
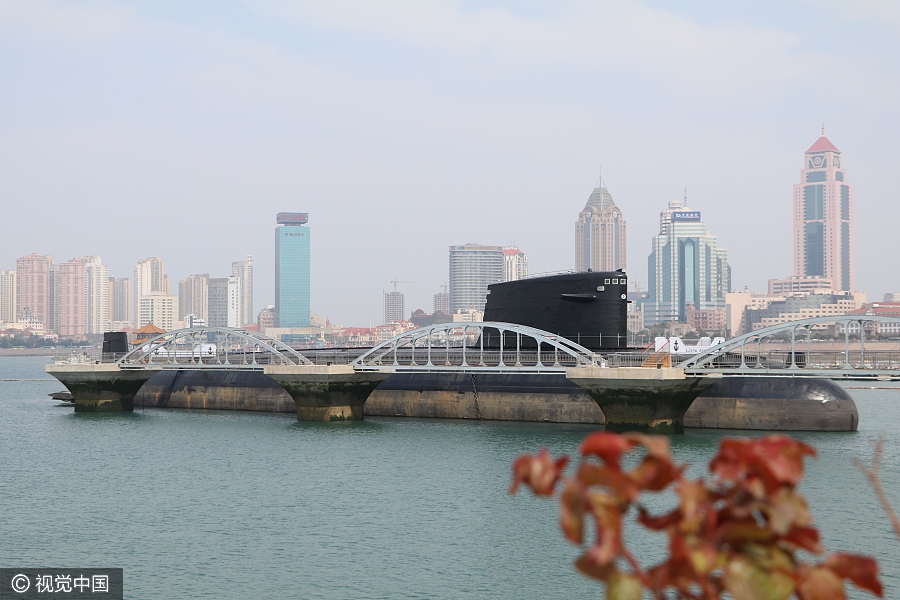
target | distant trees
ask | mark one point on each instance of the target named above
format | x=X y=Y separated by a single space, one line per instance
x=33 y=341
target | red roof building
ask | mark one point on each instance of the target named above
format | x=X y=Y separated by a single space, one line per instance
x=823 y=144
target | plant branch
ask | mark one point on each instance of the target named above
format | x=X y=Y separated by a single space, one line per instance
x=871 y=474
x=636 y=567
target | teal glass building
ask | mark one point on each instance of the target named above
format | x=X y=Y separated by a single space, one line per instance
x=292 y=270
x=687 y=267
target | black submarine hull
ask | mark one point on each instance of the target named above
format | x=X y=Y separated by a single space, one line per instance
x=774 y=403
x=750 y=403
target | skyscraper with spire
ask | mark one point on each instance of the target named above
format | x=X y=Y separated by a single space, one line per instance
x=823 y=217
x=600 y=233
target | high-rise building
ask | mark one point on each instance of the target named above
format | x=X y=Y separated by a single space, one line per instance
x=120 y=300
x=600 y=233
x=149 y=276
x=394 y=307
x=80 y=296
x=686 y=267
x=823 y=217
x=235 y=309
x=292 y=262
x=473 y=268
x=515 y=264
x=35 y=280
x=441 y=303
x=54 y=305
x=266 y=318
x=217 y=303
x=71 y=312
x=193 y=297
x=8 y=296
x=243 y=270
x=96 y=295
x=158 y=308
x=224 y=302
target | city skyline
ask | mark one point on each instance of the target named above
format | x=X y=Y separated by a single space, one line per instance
x=500 y=116
x=687 y=270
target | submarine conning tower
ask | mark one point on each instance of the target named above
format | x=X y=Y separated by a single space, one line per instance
x=590 y=308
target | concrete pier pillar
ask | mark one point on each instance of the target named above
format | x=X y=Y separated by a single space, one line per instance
x=101 y=387
x=641 y=399
x=326 y=393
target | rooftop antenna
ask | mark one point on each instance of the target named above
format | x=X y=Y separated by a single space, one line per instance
x=823 y=125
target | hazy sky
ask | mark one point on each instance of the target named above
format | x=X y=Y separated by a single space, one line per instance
x=178 y=129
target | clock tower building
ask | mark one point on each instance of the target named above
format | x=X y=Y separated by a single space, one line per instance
x=823 y=217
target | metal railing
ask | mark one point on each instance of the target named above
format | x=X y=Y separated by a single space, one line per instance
x=210 y=348
x=487 y=346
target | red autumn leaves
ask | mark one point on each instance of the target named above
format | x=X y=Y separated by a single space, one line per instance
x=738 y=533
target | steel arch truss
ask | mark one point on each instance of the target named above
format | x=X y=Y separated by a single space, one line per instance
x=745 y=354
x=472 y=347
x=211 y=348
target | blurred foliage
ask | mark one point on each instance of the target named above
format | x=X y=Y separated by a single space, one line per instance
x=736 y=535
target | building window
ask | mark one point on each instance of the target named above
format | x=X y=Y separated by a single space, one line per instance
x=813 y=202
x=814 y=249
x=845 y=202
x=815 y=176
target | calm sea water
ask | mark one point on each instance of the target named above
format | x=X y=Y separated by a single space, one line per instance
x=196 y=504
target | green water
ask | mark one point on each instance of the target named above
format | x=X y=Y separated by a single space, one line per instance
x=205 y=504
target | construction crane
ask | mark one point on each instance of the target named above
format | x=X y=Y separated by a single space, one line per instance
x=395 y=281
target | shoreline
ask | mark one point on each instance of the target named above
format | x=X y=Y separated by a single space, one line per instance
x=27 y=351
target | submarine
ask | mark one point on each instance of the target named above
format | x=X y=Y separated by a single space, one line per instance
x=589 y=308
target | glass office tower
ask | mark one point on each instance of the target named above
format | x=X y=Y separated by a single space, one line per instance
x=686 y=267
x=292 y=307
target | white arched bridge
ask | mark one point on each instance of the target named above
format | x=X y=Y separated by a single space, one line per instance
x=210 y=348
x=483 y=346
x=832 y=347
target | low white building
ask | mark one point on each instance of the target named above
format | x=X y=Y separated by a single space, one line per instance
x=468 y=315
x=25 y=324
